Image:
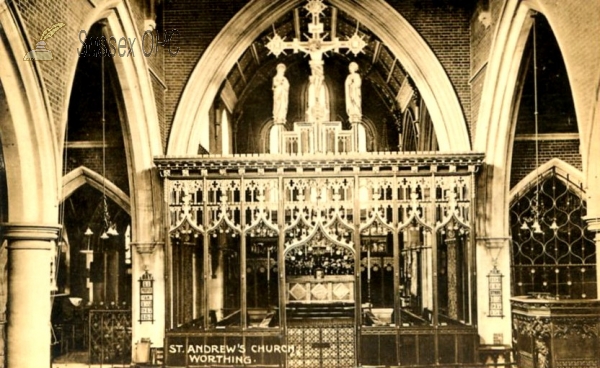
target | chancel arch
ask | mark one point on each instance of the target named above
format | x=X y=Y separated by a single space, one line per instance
x=319 y=207
x=191 y=119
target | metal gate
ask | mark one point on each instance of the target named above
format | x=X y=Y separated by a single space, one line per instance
x=323 y=344
x=110 y=336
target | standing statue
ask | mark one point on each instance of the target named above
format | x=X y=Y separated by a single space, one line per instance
x=317 y=100
x=281 y=88
x=353 y=94
x=316 y=46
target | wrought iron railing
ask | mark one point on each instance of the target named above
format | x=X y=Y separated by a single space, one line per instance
x=558 y=257
x=110 y=336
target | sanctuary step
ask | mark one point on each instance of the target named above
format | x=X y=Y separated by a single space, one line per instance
x=302 y=311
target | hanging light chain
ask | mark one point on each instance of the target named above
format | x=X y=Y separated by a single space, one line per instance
x=536 y=224
x=109 y=228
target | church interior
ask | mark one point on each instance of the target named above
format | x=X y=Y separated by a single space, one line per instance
x=299 y=183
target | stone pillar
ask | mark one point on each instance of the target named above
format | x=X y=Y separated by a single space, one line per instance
x=493 y=251
x=149 y=257
x=452 y=278
x=593 y=225
x=29 y=259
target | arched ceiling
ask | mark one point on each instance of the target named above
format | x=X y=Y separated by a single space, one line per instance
x=237 y=67
x=378 y=65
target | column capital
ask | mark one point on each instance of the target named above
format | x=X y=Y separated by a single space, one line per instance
x=493 y=242
x=32 y=232
x=593 y=223
x=146 y=247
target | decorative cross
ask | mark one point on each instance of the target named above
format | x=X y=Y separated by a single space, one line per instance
x=315 y=46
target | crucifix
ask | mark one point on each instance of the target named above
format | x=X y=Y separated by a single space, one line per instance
x=315 y=46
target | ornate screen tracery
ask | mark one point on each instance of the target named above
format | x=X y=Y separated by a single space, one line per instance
x=390 y=234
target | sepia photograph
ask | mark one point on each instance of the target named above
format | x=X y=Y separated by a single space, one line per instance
x=299 y=183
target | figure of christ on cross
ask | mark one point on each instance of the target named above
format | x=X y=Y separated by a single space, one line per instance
x=317 y=109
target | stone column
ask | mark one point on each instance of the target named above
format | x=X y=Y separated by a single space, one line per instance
x=29 y=259
x=490 y=252
x=149 y=256
x=593 y=225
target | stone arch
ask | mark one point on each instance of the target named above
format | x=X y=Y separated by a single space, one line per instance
x=29 y=145
x=495 y=126
x=32 y=168
x=561 y=167
x=494 y=133
x=141 y=132
x=496 y=122
x=83 y=175
x=142 y=141
x=592 y=171
x=191 y=117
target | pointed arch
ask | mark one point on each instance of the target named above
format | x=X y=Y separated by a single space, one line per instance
x=494 y=136
x=191 y=118
x=141 y=131
x=495 y=126
x=496 y=123
x=590 y=152
x=561 y=167
x=83 y=175
x=142 y=141
x=30 y=149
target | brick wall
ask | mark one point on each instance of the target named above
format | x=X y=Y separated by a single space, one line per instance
x=155 y=52
x=197 y=22
x=37 y=15
x=523 y=159
x=116 y=163
x=446 y=29
x=481 y=42
x=159 y=98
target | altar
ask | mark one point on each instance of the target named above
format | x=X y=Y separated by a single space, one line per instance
x=310 y=290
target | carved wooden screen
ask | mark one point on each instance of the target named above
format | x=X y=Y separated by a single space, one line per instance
x=390 y=231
